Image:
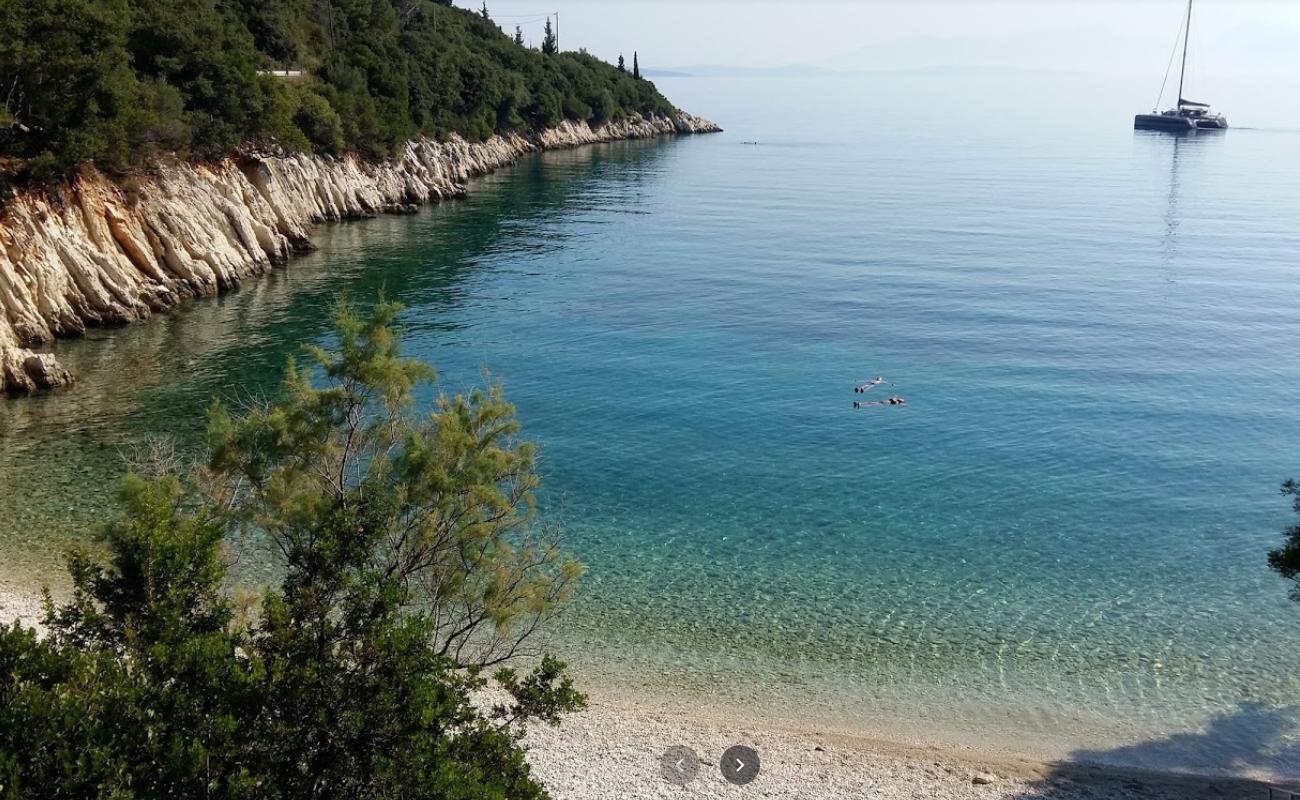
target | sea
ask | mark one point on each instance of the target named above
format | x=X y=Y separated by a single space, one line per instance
x=1057 y=546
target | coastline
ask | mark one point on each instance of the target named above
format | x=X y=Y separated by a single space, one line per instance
x=111 y=252
x=612 y=749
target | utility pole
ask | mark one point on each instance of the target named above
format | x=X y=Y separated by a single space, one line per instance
x=557 y=31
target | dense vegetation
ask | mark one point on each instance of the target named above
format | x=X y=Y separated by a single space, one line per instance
x=1285 y=560
x=409 y=567
x=117 y=81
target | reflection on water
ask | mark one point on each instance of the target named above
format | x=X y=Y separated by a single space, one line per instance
x=63 y=452
x=1169 y=247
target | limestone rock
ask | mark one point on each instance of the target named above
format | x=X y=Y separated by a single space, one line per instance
x=101 y=255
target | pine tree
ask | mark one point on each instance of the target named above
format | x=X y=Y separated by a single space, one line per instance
x=483 y=11
x=636 y=67
x=621 y=66
x=548 y=39
x=519 y=36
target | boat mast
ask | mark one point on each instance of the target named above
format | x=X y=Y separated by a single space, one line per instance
x=1187 y=32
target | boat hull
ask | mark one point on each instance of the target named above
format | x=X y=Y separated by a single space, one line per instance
x=1163 y=122
x=1177 y=123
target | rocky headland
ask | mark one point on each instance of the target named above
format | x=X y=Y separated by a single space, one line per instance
x=108 y=252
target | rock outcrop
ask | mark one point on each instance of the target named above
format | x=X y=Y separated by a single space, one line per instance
x=104 y=254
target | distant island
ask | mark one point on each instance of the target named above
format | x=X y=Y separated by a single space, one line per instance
x=153 y=151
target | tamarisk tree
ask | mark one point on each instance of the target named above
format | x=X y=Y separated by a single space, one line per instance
x=410 y=563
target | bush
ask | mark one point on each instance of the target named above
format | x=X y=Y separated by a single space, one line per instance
x=605 y=108
x=411 y=566
x=319 y=123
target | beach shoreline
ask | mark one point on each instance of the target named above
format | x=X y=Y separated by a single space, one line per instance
x=612 y=749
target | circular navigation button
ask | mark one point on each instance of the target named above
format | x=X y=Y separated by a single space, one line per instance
x=679 y=765
x=739 y=764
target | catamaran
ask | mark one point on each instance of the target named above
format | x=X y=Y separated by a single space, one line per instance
x=1188 y=115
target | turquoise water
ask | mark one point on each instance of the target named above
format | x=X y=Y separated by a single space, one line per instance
x=1058 y=543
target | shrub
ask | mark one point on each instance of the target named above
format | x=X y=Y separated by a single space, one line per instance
x=319 y=123
x=410 y=566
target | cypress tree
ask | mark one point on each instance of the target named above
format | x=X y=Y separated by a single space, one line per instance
x=548 y=39
x=636 y=68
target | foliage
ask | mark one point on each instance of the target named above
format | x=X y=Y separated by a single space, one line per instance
x=1286 y=559
x=550 y=45
x=118 y=81
x=410 y=565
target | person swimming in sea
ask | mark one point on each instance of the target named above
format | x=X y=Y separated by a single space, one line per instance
x=869 y=385
x=891 y=401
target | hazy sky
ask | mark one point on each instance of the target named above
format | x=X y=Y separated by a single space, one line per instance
x=1108 y=35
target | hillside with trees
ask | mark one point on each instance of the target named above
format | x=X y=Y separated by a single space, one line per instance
x=118 y=82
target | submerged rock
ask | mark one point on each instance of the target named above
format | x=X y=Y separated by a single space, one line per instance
x=101 y=254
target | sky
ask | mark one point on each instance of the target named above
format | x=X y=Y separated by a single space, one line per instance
x=1104 y=36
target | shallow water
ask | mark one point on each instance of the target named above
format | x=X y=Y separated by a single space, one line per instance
x=1058 y=543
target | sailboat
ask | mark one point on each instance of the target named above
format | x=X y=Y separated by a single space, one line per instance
x=1188 y=115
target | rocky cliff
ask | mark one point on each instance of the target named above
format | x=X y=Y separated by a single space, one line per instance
x=104 y=254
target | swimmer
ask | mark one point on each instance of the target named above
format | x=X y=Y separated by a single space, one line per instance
x=869 y=385
x=892 y=401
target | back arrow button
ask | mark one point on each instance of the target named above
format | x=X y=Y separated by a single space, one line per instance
x=679 y=765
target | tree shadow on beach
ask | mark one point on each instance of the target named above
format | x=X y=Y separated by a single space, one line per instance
x=1251 y=739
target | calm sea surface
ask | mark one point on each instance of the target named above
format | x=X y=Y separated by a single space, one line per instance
x=1060 y=541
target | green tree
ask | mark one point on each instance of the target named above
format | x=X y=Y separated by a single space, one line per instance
x=636 y=66
x=622 y=67
x=65 y=81
x=483 y=12
x=519 y=36
x=549 y=45
x=410 y=564
x=1285 y=560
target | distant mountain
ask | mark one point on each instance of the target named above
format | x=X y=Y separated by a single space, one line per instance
x=1241 y=50
x=723 y=70
x=1086 y=50
x=1244 y=50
